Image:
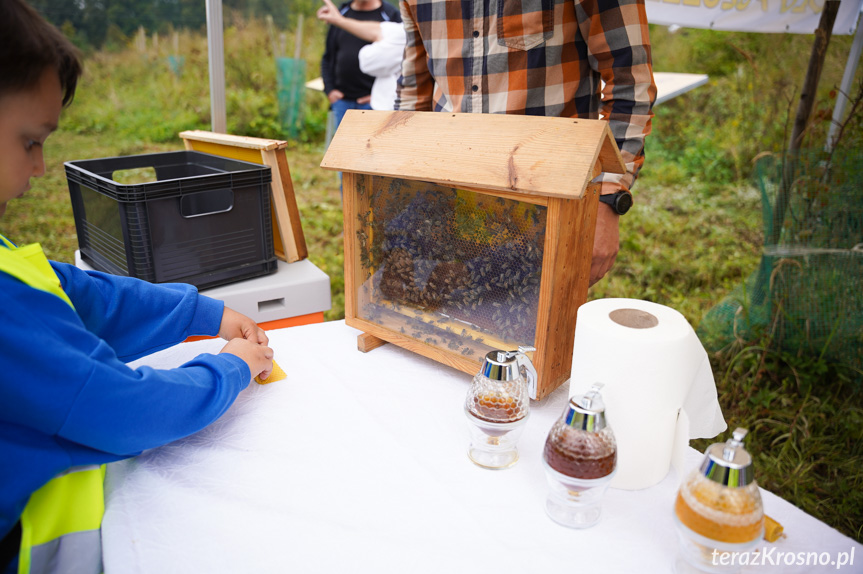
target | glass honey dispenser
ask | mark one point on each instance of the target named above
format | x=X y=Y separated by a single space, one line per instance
x=580 y=459
x=718 y=509
x=498 y=405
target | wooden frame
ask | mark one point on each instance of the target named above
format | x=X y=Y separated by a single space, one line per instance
x=288 y=239
x=514 y=160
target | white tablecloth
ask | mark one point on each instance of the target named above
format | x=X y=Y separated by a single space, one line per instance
x=357 y=463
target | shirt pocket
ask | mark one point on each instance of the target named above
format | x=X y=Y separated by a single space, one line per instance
x=524 y=24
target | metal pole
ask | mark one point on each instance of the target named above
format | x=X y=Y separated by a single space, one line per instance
x=216 y=47
x=845 y=87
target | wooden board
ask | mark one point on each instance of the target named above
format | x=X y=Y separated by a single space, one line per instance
x=465 y=365
x=353 y=203
x=563 y=288
x=289 y=243
x=284 y=208
x=551 y=157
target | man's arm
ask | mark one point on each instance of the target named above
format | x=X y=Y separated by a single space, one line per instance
x=364 y=30
x=416 y=86
x=619 y=49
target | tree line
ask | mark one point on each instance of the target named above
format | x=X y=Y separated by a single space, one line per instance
x=92 y=24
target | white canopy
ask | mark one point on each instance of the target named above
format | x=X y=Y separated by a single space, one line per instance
x=770 y=16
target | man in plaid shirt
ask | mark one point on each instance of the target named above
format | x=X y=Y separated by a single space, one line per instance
x=538 y=57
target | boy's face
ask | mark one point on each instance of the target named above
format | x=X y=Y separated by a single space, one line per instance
x=27 y=118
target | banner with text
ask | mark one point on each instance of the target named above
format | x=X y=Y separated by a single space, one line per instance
x=777 y=16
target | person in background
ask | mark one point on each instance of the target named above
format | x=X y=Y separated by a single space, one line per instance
x=539 y=57
x=345 y=85
x=68 y=402
x=382 y=58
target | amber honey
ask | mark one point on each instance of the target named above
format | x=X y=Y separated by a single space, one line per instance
x=497 y=408
x=563 y=459
x=720 y=513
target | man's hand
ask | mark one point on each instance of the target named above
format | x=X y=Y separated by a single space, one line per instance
x=329 y=13
x=368 y=30
x=237 y=326
x=335 y=95
x=606 y=242
x=259 y=358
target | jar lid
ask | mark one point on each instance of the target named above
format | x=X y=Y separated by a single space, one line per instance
x=728 y=463
x=587 y=411
x=509 y=365
x=500 y=366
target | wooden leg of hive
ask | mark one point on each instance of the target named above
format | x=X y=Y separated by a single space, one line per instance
x=366 y=342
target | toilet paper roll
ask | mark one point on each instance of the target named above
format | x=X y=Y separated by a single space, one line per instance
x=653 y=366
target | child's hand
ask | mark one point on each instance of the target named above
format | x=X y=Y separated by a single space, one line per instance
x=258 y=357
x=236 y=325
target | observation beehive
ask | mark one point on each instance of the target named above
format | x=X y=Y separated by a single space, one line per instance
x=466 y=233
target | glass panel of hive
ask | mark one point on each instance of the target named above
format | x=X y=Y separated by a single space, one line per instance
x=456 y=269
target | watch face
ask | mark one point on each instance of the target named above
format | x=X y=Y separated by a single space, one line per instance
x=624 y=202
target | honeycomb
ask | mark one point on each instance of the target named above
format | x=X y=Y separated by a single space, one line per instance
x=452 y=268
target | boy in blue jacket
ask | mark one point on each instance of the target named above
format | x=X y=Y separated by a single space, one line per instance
x=68 y=402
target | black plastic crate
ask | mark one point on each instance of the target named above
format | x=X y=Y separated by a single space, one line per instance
x=205 y=220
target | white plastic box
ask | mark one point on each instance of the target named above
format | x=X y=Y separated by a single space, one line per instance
x=296 y=290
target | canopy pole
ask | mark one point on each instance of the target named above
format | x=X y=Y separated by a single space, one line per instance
x=216 y=47
x=845 y=87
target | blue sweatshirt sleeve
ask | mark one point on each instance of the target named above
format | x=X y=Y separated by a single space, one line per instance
x=59 y=376
x=134 y=317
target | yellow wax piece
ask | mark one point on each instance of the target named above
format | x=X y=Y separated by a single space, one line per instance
x=772 y=529
x=277 y=375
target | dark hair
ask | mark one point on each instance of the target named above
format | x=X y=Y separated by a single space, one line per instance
x=29 y=45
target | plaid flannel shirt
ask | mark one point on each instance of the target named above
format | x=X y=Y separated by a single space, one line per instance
x=534 y=57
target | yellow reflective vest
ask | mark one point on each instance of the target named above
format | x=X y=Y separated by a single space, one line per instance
x=61 y=524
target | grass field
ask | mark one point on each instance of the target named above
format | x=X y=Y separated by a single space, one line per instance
x=694 y=235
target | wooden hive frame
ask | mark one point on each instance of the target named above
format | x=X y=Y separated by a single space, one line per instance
x=535 y=160
x=288 y=240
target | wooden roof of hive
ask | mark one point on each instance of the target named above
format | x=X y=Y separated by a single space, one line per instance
x=553 y=157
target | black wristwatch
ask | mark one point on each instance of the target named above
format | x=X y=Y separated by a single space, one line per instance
x=620 y=201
